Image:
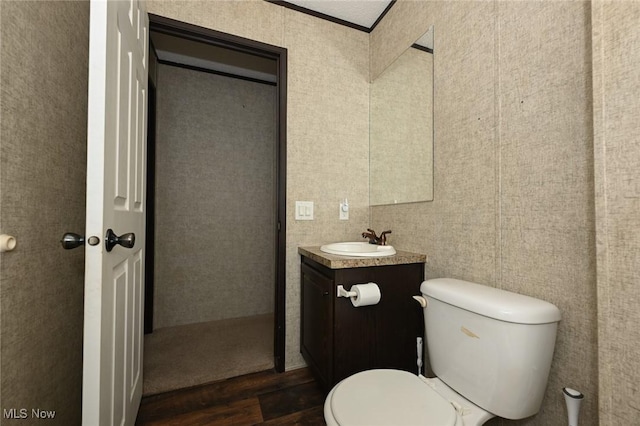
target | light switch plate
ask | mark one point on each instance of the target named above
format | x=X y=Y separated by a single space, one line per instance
x=304 y=210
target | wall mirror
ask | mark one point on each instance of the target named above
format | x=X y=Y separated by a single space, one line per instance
x=401 y=128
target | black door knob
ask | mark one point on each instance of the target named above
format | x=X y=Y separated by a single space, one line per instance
x=71 y=240
x=125 y=240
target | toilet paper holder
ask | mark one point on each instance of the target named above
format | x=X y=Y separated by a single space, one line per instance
x=341 y=292
x=344 y=293
x=364 y=294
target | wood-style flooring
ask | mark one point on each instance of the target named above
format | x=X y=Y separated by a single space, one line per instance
x=265 y=398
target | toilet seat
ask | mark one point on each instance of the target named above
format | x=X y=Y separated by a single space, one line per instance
x=388 y=397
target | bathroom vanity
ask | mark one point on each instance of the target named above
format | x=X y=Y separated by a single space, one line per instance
x=338 y=339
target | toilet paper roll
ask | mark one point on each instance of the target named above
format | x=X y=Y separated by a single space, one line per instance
x=366 y=294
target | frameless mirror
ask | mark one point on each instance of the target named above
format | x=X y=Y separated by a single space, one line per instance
x=401 y=128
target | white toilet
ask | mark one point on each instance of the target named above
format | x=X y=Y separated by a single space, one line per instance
x=490 y=349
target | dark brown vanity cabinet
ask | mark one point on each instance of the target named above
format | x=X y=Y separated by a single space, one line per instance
x=338 y=339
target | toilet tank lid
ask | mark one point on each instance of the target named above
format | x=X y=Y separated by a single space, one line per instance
x=491 y=302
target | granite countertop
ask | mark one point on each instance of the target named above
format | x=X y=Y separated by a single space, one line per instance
x=342 y=262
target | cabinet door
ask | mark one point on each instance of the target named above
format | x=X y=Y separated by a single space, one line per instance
x=381 y=335
x=316 y=331
x=399 y=318
x=355 y=335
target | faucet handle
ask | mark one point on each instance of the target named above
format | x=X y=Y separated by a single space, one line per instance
x=383 y=237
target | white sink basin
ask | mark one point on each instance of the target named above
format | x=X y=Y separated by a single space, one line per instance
x=359 y=249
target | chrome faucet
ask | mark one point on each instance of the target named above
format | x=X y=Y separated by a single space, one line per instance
x=374 y=239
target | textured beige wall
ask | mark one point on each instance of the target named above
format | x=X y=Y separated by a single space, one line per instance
x=407 y=23
x=327 y=122
x=43 y=84
x=215 y=192
x=458 y=229
x=513 y=203
x=327 y=143
x=616 y=84
x=498 y=187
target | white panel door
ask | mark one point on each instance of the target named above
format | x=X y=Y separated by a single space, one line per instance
x=116 y=145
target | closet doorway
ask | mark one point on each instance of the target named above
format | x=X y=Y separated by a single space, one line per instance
x=215 y=290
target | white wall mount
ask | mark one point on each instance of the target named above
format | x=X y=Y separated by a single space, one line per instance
x=7 y=243
x=344 y=293
x=344 y=210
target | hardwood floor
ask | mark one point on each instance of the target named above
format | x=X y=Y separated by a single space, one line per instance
x=266 y=398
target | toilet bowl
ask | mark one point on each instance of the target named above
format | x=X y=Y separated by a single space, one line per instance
x=398 y=398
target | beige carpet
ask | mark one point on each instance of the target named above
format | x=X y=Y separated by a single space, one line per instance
x=193 y=354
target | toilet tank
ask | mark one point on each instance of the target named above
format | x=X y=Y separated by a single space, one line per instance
x=492 y=346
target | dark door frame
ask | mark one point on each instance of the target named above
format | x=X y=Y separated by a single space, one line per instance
x=279 y=54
